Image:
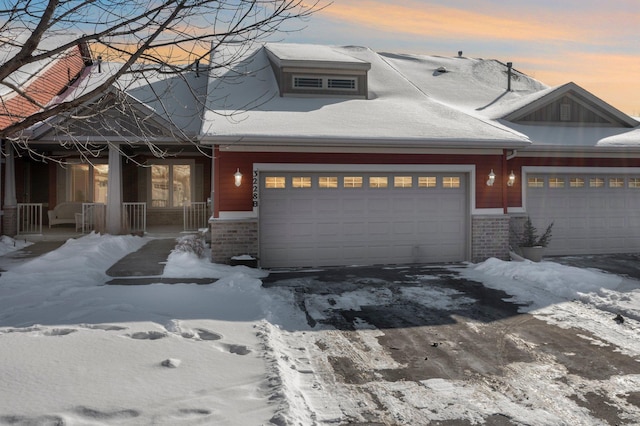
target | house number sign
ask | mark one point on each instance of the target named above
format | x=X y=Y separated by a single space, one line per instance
x=255 y=188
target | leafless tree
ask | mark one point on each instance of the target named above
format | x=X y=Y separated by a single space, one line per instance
x=165 y=36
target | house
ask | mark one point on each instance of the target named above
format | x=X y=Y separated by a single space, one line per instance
x=321 y=155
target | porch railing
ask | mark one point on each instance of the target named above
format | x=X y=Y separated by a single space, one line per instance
x=29 y=218
x=93 y=217
x=195 y=216
x=134 y=217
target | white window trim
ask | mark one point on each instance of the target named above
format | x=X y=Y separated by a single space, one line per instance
x=192 y=165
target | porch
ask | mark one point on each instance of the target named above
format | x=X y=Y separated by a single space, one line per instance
x=33 y=223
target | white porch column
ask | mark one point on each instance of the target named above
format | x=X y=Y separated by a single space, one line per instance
x=114 y=192
x=10 y=216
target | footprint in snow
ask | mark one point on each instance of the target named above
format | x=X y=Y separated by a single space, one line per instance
x=207 y=335
x=104 y=415
x=238 y=349
x=59 y=331
x=148 y=335
x=105 y=327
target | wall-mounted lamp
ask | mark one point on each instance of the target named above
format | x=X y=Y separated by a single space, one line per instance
x=237 y=176
x=512 y=179
x=492 y=178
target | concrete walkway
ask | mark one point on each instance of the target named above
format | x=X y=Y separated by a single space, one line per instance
x=145 y=266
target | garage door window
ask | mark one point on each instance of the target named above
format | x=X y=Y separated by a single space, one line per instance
x=352 y=181
x=576 y=182
x=275 y=182
x=301 y=182
x=451 y=182
x=427 y=182
x=402 y=181
x=616 y=183
x=556 y=182
x=378 y=182
x=634 y=183
x=535 y=182
x=328 y=182
x=596 y=183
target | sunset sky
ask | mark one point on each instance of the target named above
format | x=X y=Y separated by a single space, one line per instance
x=594 y=43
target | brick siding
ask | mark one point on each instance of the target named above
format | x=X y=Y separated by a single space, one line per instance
x=233 y=238
x=490 y=237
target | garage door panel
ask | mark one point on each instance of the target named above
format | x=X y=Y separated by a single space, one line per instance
x=587 y=220
x=343 y=226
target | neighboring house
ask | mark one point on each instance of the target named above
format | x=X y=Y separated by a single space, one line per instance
x=317 y=155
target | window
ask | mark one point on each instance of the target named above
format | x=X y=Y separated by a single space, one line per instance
x=327 y=182
x=556 y=182
x=616 y=183
x=427 y=182
x=341 y=83
x=307 y=83
x=87 y=183
x=301 y=182
x=596 y=183
x=565 y=112
x=451 y=182
x=634 y=183
x=352 y=182
x=535 y=182
x=378 y=182
x=576 y=183
x=402 y=181
x=171 y=184
x=275 y=182
x=329 y=83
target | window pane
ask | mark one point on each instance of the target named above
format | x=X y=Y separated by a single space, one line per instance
x=352 y=181
x=181 y=185
x=576 y=183
x=616 y=183
x=451 y=182
x=80 y=182
x=596 y=183
x=427 y=182
x=556 y=182
x=307 y=83
x=100 y=175
x=272 y=182
x=378 y=182
x=160 y=185
x=341 y=83
x=634 y=183
x=535 y=182
x=402 y=181
x=301 y=182
x=328 y=182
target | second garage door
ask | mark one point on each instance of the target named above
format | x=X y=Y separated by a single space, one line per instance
x=592 y=213
x=309 y=219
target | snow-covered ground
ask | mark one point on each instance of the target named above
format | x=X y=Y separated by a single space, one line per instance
x=74 y=351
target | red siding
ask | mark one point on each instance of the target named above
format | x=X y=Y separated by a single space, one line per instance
x=42 y=89
x=231 y=198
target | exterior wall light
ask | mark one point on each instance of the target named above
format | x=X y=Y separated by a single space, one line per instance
x=237 y=176
x=492 y=178
x=512 y=179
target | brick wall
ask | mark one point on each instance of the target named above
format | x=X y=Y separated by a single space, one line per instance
x=233 y=238
x=489 y=237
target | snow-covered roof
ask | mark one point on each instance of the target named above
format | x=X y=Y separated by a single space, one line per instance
x=414 y=100
x=244 y=105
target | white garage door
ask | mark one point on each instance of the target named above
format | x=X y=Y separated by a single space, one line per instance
x=592 y=214
x=362 y=218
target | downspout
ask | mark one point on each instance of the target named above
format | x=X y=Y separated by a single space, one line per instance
x=215 y=176
x=505 y=179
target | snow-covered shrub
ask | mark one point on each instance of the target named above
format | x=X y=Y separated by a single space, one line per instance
x=192 y=244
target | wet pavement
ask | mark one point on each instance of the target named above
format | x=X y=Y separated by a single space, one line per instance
x=477 y=340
